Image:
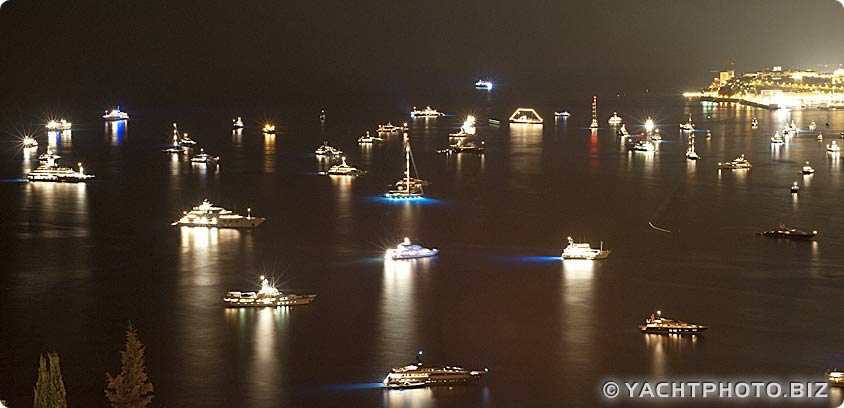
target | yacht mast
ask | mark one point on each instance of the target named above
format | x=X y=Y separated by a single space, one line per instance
x=407 y=162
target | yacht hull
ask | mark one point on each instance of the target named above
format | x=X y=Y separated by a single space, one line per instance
x=253 y=222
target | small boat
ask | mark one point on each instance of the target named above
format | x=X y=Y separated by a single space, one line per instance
x=420 y=375
x=689 y=125
x=658 y=324
x=407 y=187
x=740 y=163
x=49 y=170
x=807 y=169
x=527 y=116
x=116 y=114
x=29 y=141
x=835 y=377
x=622 y=131
x=777 y=139
x=367 y=138
x=833 y=148
x=467 y=145
x=389 y=127
x=204 y=158
x=708 y=134
x=184 y=139
x=428 y=112
x=795 y=188
x=407 y=250
x=754 y=124
x=58 y=125
x=207 y=215
x=268 y=129
x=322 y=115
x=563 y=114
x=644 y=145
x=614 y=120
x=691 y=154
x=656 y=137
x=813 y=126
x=577 y=250
x=327 y=150
x=820 y=137
x=789 y=233
x=343 y=169
x=237 y=123
x=268 y=296
x=481 y=84
x=176 y=147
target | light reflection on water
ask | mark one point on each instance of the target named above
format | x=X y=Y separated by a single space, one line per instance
x=663 y=347
x=578 y=311
x=525 y=148
x=116 y=131
x=261 y=337
x=344 y=214
x=269 y=152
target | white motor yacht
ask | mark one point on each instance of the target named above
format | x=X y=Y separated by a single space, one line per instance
x=614 y=120
x=428 y=112
x=368 y=139
x=420 y=375
x=61 y=124
x=407 y=250
x=268 y=296
x=204 y=158
x=49 y=170
x=343 y=169
x=740 y=163
x=807 y=169
x=116 y=114
x=29 y=141
x=327 y=150
x=833 y=148
x=576 y=250
x=237 y=123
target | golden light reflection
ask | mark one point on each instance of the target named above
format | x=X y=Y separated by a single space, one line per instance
x=261 y=337
x=661 y=347
x=269 y=153
x=578 y=312
x=345 y=217
x=525 y=148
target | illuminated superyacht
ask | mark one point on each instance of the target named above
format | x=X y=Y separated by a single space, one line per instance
x=58 y=125
x=420 y=375
x=658 y=324
x=577 y=250
x=207 y=215
x=428 y=112
x=116 y=114
x=49 y=170
x=268 y=296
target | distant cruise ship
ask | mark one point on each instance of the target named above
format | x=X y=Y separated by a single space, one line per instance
x=207 y=215
x=49 y=170
x=116 y=114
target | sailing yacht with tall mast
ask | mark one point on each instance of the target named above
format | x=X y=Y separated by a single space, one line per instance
x=406 y=187
x=691 y=154
x=594 y=124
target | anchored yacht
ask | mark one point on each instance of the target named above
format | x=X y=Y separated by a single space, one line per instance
x=833 y=148
x=407 y=250
x=268 y=296
x=563 y=114
x=614 y=120
x=420 y=375
x=465 y=145
x=789 y=233
x=813 y=126
x=389 y=127
x=835 y=377
x=658 y=324
x=688 y=126
x=327 y=150
x=237 y=123
x=116 y=114
x=29 y=141
x=49 y=170
x=204 y=158
x=481 y=84
x=691 y=154
x=754 y=124
x=207 y=215
x=807 y=169
x=576 y=250
x=468 y=128
x=367 y=139
x=407 y=187
x=740 y=163
x=268 y=129
x=344 y=169
x=777 y=139
x=428 y=112
x=58 y=125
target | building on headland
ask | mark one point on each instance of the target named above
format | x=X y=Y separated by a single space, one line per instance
x=775 y=88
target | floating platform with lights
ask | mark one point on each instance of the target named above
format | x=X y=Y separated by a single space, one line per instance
x=527 y=116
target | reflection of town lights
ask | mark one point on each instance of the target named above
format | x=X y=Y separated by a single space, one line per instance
x=649 y=124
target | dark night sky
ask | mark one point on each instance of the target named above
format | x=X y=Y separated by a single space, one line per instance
x=183 y=49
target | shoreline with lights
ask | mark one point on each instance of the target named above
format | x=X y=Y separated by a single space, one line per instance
x=776 y=88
